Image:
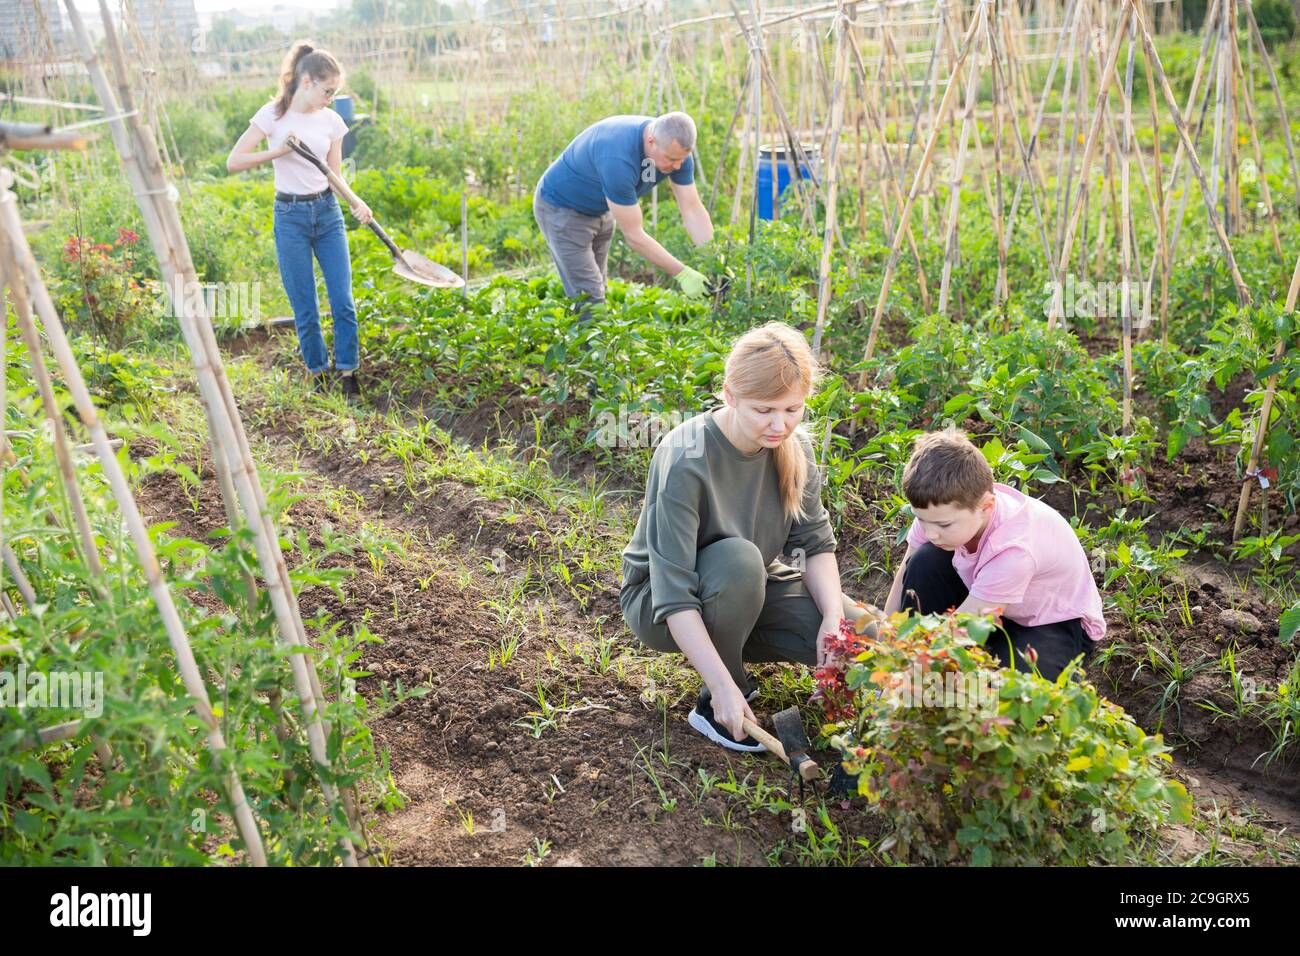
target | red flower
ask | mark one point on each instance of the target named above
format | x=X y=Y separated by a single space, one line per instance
x=125 y=237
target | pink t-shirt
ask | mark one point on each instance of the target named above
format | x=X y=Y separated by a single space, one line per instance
x=317 y=130
x=1030 y=562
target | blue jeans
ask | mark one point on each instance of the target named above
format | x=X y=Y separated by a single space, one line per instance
x=302 y=228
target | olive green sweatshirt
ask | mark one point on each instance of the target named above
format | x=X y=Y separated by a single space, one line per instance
x=701 y=488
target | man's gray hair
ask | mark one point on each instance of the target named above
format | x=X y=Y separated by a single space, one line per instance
x=674 y=128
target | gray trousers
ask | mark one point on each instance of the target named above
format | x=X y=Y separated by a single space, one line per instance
x=749 y=616
x=579 y=246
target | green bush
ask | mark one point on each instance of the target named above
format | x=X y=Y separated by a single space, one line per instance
x=163 y=800
x=981 y=765
x=1276 y=21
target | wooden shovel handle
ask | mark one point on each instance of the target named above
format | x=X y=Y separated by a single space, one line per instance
x=336 y=182
x=343 y=189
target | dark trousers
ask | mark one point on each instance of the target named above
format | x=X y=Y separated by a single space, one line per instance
x=932 y=586
x=749 y=615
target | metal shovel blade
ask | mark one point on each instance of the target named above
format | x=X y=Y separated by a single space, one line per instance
x=426 y=271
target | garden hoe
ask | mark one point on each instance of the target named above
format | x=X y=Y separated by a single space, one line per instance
x=409 y=265
x=790 y=745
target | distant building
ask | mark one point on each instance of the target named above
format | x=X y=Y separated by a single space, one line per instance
x=23 y=25
x=167 y=25
x=285 y=17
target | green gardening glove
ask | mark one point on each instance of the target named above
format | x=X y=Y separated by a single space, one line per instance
x=691 y=283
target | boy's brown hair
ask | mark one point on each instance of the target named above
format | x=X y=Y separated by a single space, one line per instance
x=946 y=468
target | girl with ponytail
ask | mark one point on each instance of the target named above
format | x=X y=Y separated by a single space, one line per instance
x=729 y=492
x=307 y=215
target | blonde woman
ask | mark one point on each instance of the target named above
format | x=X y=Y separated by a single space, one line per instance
x=307 y=216
x=729 y=492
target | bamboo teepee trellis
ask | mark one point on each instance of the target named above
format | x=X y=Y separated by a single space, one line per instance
x=241 y=488
x=243 y=496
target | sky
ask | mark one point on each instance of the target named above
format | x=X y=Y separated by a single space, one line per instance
x=217 y=6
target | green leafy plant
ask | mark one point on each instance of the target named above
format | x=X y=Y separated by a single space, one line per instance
x=1271 y=552
x=1012 y=770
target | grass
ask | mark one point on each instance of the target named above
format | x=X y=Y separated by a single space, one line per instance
x=1170 y=675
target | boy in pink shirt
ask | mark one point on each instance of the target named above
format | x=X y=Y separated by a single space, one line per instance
x=976 y=545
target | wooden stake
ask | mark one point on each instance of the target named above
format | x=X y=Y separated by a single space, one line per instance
x=1243 y=293
x=23 y=268
x=892 y=264
x=832 y=177
x=1265 y=411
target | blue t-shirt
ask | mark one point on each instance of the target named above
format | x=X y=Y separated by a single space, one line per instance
x=606 y=161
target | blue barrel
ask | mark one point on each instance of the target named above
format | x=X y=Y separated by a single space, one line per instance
x=763 y=180
x=344 y=106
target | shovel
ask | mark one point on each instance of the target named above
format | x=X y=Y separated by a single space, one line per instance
x=409 y=265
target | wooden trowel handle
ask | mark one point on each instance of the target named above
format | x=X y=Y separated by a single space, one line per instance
x=807 y=769
x=767 y=740
x=343 y=189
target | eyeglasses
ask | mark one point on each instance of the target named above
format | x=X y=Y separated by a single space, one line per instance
x=329 y=91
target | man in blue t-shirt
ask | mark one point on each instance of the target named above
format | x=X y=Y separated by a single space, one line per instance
x=595 y=184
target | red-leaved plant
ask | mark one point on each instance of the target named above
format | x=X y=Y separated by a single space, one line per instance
x=104 y=294
x=980 y=764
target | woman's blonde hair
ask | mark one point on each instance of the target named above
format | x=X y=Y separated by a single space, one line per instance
x=303 y=59
x=764 y=364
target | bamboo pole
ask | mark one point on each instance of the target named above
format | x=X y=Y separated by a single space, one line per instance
x=1259 y=160
x=21 y=581
x=928 y=95
x=954 y=192
x=1064 y=165
x=1067 y=29
x=999 y=75
x=53 y=414
x=1000 y=291
x=1220 y=92
x=169 y=242
x=1172 y=236
x=1089 y=148
x=1126 y=238
x=838 y=93
x=726 y=141
x=1277 y=98
x=794 y=148
x=889 y=180
x=1265 y=412
x=22 y=267
x=892 y=264
x=1243 y=293
x=1160 y=216
x=1232 y=211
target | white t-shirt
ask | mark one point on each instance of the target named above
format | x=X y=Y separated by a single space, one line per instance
x=316 y=130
